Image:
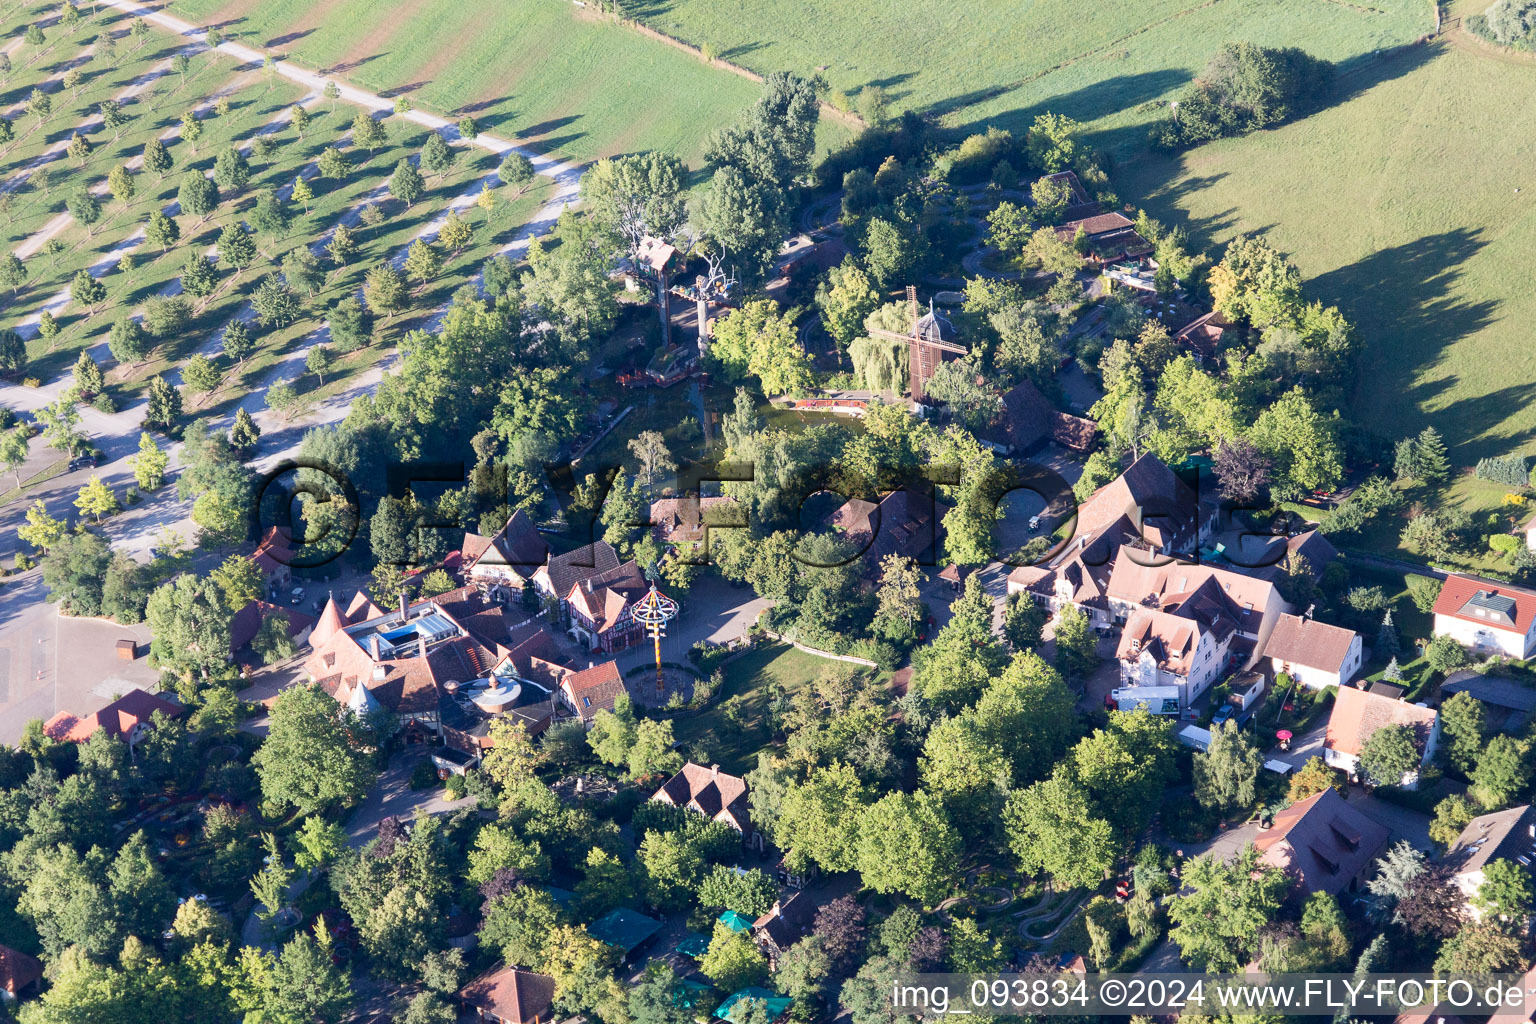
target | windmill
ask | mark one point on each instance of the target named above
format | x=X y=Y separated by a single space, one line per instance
x=929 y=340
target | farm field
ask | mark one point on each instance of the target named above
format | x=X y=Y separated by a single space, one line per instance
x=978 y=65
x=237 y=108
x=1418 y=234
x=540 y=71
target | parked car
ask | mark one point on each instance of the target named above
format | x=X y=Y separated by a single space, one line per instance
x=1223 y=713
x=296 y=596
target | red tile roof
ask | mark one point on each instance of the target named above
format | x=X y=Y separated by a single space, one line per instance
x=18 y=970
x=521 y=997
x=1459 y=591
x=1357 y=714
x=1310 y=643
x=593 y=689
x=118 y=718
x=708 y=791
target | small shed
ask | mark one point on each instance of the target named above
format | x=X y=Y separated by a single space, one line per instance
x=625 y=929
x=127 y=649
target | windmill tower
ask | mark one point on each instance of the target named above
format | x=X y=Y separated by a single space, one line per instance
x=930 y=339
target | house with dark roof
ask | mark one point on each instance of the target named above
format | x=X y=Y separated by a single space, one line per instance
x=506 y=560
x=562 y=572
x=1323 y=844
x=506 y=995
x=1026 y=420
x=904 y=522
x=685 y=521
x=1147 y=507
x=1201 y=337
x=1489 y=618
x=585 y=693
x=1112 y=237
x=1313 y=653
x=785 y=923
x=1358 y=714
x=128 y=718
x=19 y=974
x=247 y=623
x=1509 y=835
x=717 y=795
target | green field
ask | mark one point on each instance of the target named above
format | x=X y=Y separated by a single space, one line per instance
x=539 y=70
x=750 y=678
x=1413 y=207
x=977 y=62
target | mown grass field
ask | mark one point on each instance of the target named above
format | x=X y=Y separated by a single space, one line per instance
x=539 y=70
x=1412 y=205
x=977 y=62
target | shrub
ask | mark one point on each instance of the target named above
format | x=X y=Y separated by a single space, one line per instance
x=456 y=787
x=1504 y=469
x=1504 y=542
x=423 y=776
x=1424 y=591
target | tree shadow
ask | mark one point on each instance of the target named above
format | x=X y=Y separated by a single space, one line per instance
x=1120 y=92
x=288 y=37
x=1403 y=295
x=352 y=65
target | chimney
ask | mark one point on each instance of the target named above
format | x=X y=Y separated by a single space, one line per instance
x=421 y=646
x=405 y=608
x=373 y=646
x=714 y=771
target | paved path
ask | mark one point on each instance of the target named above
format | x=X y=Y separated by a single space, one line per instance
x=392 y=796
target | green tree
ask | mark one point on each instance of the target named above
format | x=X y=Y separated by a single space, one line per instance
x=244 y=433
x=163 y=407
x=1227 y=772
x=42 y=531
x=367 y=133
x=516 y=172
x=149 y=464
x=1444 y=654
x=13 y=452
x=406 y=183
x=385 y=291
x=156 y=158
x=1217 y=918
x=1076 y=644
x=161 y=230
x=96 y=499
x=906 y=844
x=307 y=759
x=422 y=262
x=198 y=195
x=1452 y=815
x=1052 y=827
x=1463 y=722
x=87 y=291
x=733 y=960
x=13 y=273
x=1388 y=754
x=756 y=339
x=818 y=819
x=1506 y=894
x=1503 y=771
x=231 y=170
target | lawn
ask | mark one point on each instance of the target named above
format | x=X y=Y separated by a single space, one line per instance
x=1412 y=206
x=752 y=677
x=976 y=64
x=559 y=78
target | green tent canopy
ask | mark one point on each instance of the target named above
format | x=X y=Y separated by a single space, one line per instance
x=777 y=1004
x=735 y=922
x=694 y=945
x=624 y=928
